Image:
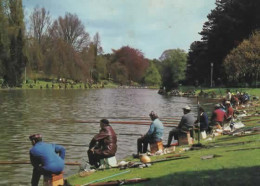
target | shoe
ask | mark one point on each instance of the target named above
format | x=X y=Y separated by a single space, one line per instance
x=135 y=155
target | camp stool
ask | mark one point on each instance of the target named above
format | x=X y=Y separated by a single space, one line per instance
x=53 y=180
x=157 y=146
x=108 y=162
x=184 y=138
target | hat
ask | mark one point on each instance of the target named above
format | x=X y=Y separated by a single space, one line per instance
x=217 y=106
x=186 y=108
x=227 y=102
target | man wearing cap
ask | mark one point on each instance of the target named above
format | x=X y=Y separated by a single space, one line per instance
x=46 y=158
x=154 y=134
x=186 y=123
x=103 y=145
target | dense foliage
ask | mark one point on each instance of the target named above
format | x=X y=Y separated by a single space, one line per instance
x=244 y=61
x=228 y=24
x=12 y=42
x=173 y=68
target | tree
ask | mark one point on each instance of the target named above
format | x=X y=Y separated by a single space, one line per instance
x=71 y=30
x=174 y=65
x=40 y=22
x=243 y=62
x=228 y=24
x=4 y=40
x=14 y=61
x=134 y=62
x=152 y=75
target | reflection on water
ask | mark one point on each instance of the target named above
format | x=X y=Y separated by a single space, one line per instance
x=54 y=114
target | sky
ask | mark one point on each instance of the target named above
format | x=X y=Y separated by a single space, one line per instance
x=151 y=26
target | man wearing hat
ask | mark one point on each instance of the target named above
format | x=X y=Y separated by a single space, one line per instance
x=46 y=158
x=186 y=123
x=154 y=134
x=103 y=145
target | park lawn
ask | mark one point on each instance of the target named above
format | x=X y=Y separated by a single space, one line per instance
x=238 y=164
x=220 y=92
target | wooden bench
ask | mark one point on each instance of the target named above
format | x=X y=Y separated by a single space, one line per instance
x=185 y=139
x=53 y=180
x=158 y=146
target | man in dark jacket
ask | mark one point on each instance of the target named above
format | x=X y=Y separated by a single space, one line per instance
x=46 y=158
x=203 y=120
x=103 y=145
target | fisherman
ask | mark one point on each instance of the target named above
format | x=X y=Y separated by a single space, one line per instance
x=203 y=120
x=229 y=112
x=103 y=145
x=186 y=125
x=154 y=134
x=46 y=158
x=217 y=118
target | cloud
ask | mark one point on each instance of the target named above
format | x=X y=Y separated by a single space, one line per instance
x=148 y=25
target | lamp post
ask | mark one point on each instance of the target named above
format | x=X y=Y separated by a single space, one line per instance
x=211 y=74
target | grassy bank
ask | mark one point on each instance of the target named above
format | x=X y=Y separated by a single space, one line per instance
x=237 y=162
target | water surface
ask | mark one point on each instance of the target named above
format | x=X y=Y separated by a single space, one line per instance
x=67 y=116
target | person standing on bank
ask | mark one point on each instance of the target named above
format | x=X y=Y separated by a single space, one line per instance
x=46 y=158
x=154 y=134
x=103 y=145
x=185 y=125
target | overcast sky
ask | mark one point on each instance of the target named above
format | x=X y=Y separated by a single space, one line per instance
x=151 y=26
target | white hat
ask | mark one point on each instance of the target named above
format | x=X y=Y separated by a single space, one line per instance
x=227 y=102
x=186 y=108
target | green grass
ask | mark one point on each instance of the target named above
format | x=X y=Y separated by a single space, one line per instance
x=222 y=91
x=238 y=164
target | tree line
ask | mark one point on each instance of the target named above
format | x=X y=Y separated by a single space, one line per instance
x=230 y=25
x=62 y=48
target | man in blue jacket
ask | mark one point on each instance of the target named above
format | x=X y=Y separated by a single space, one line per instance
x=154 y=134
x=46 y=158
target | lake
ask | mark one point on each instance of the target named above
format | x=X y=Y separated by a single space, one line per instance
x=71 y=118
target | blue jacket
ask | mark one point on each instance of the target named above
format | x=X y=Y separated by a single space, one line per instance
x=45 y=155
x=155 y=132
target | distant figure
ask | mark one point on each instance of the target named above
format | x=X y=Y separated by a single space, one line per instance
x=185 y=125
x=217 y=117
x=46 y=158
x=204 y=122
x=154 y=134
x=228 y=95
x=229 y=112
x=103 y=145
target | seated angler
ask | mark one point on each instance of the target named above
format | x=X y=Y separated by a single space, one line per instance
x=185 y=125
x=154 y=134
x=217 y=118
x=103 y=145
x=203 y=120
x=47 y=159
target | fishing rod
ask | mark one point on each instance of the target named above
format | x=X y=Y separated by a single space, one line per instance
x=124 y=122
x=28 y=162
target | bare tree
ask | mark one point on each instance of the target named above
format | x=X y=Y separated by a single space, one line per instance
x=71 y=30
x=40 y=23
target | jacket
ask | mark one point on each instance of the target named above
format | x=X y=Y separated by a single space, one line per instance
x=49 y=156
x=106 y=139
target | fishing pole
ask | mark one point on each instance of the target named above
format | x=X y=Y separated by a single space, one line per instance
x=28 y=162
x=124 y=122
